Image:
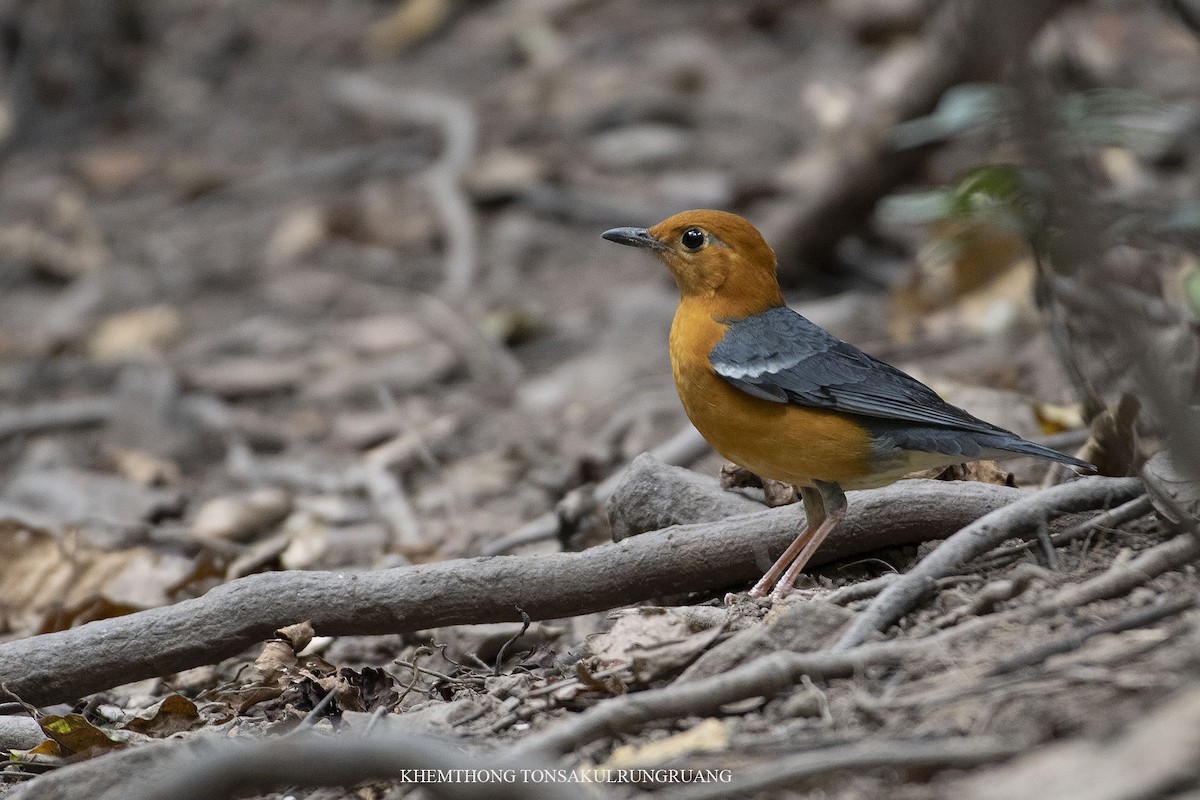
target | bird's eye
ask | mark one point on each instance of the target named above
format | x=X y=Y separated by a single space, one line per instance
x=692 y=239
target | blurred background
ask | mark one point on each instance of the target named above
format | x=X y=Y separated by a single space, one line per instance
x=318 y=284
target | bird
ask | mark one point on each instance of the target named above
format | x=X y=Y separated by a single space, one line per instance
x=785 y=399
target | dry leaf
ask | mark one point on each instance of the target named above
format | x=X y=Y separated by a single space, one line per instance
x=979 y=471
x=298 y=635
x=173 y=714
x=243 y=517
x=775 y=493
x=144 y=469
x=135 y=334
x=412 y=21
x=710 y=736
x=76 y=736
x=296 y=236
x=654 y=641
x=40 y=574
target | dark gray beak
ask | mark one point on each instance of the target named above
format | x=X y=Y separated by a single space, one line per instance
x=637 y=237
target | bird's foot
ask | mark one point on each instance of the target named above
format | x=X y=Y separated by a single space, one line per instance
x=780 y=593
x=733 y=599
x=785 y=589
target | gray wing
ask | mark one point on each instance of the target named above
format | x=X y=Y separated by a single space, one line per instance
x=782 y=357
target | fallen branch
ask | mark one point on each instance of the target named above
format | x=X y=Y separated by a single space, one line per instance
x=764 y=677
x=778 y=672
x=211 y=768
x=62 y=666
x=54 y=416
x=1122 y=579
x=899 y=753
x=1020 y=519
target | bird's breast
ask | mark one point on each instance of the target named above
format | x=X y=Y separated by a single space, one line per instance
x=783 y=442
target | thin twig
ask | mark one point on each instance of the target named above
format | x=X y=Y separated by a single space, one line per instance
x=1139 y=619
x=317 y=712
x=1127 y=512
x=1121 y=579
x=1019 y=519
x=456 y=120
x=861 y=590
x=525 y=623
x=392 y=504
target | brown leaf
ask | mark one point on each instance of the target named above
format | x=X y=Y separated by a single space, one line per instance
x=46 y=748
x=775 y=493
x=76 y=736
x=135 y=334
x=655 y=641
x=173 y=714
x=353 y=690
x=75 y=582
x=298 y=635
x=409 y=23
x=87 y=610
x=238 y=699
x=979 y=471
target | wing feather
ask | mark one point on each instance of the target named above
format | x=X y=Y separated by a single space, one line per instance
x=782 y=357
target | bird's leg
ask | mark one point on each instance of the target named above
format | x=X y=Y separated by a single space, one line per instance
x=833 y=500
x=814 y=517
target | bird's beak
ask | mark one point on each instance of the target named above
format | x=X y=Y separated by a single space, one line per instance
x=637 y=237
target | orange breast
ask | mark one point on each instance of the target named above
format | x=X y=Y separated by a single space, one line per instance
x=773 y=440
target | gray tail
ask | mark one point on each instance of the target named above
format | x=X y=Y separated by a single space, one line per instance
x=1015 y=444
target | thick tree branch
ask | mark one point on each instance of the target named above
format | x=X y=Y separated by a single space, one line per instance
x=62 y=666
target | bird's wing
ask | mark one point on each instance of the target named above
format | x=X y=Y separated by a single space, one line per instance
x=782 y=357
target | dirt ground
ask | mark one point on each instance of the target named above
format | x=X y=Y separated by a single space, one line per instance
x=319 y=286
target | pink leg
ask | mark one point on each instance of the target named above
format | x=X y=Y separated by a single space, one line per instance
x=814 y=518
x=835 y=503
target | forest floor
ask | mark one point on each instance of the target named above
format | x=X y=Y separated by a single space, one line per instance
x=320 y=393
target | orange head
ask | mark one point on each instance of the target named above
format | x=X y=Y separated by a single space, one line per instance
x=716 y=257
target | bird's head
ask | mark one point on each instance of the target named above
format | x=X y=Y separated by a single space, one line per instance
x=715 y=257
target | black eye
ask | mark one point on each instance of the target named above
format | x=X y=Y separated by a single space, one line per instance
x=692 y=239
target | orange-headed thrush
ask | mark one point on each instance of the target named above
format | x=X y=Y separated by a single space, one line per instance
x=787 y=400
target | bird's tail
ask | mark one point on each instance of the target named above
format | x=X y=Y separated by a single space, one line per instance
x=1015 y=444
